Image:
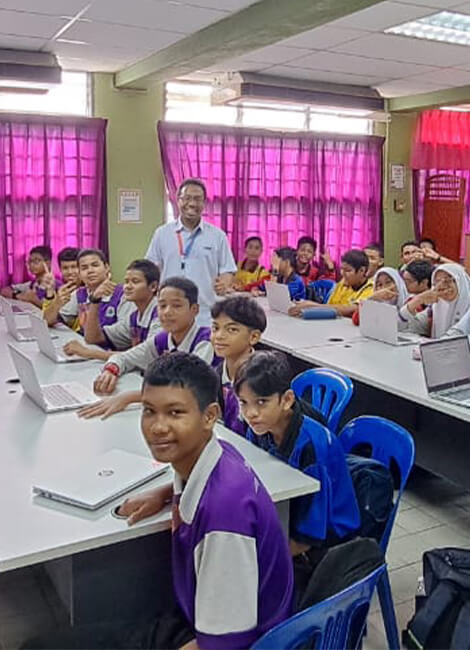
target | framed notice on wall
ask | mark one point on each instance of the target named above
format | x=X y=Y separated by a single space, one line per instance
x=129 y=206
x=397 y=177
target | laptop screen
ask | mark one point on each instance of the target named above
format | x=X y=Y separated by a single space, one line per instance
x=446 y=362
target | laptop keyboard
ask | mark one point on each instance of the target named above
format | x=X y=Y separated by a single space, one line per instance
x=58 y=396
x=461 y=395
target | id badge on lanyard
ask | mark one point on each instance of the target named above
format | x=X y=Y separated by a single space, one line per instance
x=185 y=251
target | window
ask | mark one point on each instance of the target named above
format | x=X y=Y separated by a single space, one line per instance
x=71 y=97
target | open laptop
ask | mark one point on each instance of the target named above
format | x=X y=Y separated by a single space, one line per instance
x=20 y=334
x=45 y=343
x=21 y=307
x=379 y=321
x=278 y=296
x=50 y=397
x=103 y=479
x=446 y=366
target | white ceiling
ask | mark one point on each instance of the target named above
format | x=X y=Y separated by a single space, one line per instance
x=108 y=35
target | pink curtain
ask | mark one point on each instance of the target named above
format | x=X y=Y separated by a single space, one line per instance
x=52 y=187
x=280 y=185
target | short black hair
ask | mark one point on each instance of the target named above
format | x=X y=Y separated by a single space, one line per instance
x=355 y=258
x=149 y=270
x=428 y=240
x=44 y=251
x=192 y=181
x=410 y=242
x=68 y=254
x=307 y=240
x=266 y=373
x=92 y=251
x=243 y=310
x=254 y=238
x=420 y=270
x=184 y=370
x=185 y=285
x=375 y=246
x=287 y=253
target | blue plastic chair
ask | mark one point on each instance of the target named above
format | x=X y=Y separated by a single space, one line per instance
x=322 y=289
x=389 y=442
x=336 y=623
x=331 y=392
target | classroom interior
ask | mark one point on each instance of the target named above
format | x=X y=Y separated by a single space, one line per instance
x=151 y=60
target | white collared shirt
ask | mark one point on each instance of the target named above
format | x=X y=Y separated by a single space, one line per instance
x=209 y=257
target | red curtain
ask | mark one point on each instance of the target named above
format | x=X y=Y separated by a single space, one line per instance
x=442 y=141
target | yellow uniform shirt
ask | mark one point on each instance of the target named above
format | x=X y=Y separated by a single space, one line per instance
x=343 y=295
x=74 y=324
x=249 y=279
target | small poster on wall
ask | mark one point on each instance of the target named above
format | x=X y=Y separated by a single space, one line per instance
x=129 y=206
x=397 y=177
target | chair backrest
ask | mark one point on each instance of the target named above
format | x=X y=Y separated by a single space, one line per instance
x=331 y=392
x=322 y=289
x=337 y=622
x=389 y=443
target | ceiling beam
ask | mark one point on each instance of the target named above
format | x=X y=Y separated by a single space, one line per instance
x=261 y=24
x=447 y=97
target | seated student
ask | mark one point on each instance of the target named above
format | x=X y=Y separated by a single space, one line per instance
x=237 y=325
x=284 y=264
x=56 y=297
x=447 y=302
x=232 y=573
x=33 y=291
x=140 y=286
x=389 y=287
x=250 y=273
x=375 y=255
x=278 y=425
x=410 y=251
x=177 y=301
x=307 y=268
x=428 y=246
x=417 y=277
x=97 y=293
x=353 y=286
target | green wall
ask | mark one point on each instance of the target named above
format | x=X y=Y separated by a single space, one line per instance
x=133 y=163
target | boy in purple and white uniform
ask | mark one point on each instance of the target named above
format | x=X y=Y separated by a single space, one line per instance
x=140 y=286
x=34 y=291
x=177 y=309
x=237 y=325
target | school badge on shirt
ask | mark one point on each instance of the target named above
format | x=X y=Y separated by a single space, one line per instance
x=110 y=311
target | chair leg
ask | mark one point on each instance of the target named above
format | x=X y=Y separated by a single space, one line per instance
x=388 y=612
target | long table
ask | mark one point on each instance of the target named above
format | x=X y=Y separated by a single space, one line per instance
x=80 y=546
x=388 y=382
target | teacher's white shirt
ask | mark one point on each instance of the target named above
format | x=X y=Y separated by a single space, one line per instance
x=208 y=257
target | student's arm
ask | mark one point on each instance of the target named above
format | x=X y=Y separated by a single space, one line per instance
x=92 y=331
x=75 y=348
x=63 y=305
x=146 y=504
x=118 y=364
x=345 y=310
x=110 y=405
x=417 y=322
x=29 y=296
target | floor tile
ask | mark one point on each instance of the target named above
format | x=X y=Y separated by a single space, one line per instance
x=409 y=549
x=415 y=520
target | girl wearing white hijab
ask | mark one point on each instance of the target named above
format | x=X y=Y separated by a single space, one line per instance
x=448 y=300
x=389 y=287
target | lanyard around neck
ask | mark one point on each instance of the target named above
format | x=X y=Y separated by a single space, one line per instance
x=184 y=251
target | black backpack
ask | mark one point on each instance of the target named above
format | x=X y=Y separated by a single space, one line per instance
x=442 y=619
x=373 y=486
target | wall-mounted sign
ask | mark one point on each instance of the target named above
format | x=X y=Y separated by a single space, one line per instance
x=129 y=206
x=397 y=177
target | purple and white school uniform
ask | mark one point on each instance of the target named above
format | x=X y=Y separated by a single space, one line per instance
x=126 y=333
x=35 y=286
x=232 y=570
x=196 y=341
x=229 y=402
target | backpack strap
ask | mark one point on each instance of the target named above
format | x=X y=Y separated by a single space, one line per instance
x=461 y=635
x=421 y=625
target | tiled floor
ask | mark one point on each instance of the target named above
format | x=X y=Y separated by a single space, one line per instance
x=433 y=513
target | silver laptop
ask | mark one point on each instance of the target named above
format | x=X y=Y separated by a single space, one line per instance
x=103 y=479
x=50 y=397
x=446 y=366
x=379 y=321
x=45 y=343
x=20 y=334
x=278 y=296
x=21 y=307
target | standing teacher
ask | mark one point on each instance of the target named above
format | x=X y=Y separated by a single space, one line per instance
x=192 y=248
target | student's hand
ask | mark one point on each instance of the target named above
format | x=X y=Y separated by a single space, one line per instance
x=64 y=293
x=48 y=279
x=105 y=408
x=256 y=292
x=144 y=505
x=384 y=294
x=330 y=265
x=222 y=285
x=295 y=310
x=428 y=297
x=105 y=383
x=106 y=288
x=76 y=348
x=431 y=254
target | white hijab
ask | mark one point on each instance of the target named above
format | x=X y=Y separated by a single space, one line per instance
x=402 y=293
x=446 y=314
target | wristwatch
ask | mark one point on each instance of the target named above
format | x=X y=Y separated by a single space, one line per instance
x=93 y=300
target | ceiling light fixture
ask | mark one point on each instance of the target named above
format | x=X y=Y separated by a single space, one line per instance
x=445 y=26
